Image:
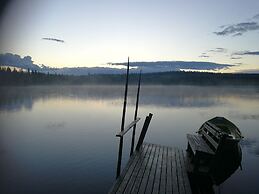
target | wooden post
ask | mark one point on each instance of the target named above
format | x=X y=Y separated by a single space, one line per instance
x=135 y=117
x=122 y=123
x=144 y=131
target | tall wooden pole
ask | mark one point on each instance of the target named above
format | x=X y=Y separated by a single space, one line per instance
x=122 y=123
x=135 y=116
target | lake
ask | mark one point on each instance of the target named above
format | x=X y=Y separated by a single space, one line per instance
x=61 y=139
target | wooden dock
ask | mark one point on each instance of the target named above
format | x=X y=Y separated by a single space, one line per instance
x=154 y=169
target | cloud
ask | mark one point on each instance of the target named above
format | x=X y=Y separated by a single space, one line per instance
x=236 y=58
x=161 y=66
x=9 y=59
x=210 y=52
x=218 y=50
x=204 y=56
x=237 y=34
x=238 y=29
x=14 y=60
x=246 y=53
x=54 y=39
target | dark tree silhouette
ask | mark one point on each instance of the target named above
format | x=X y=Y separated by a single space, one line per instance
x=33 y=77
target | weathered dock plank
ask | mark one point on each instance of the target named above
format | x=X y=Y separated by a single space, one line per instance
x=169 y=181
x=148 y=173
x=128 y=170
x=187 y=186
x=158 y=173
x=154 y=169
x=141 y=172
x=179 y=172
x=132 y=182
x=162 y=187
x=133 y=169
x=174 y=172
x=152 y=175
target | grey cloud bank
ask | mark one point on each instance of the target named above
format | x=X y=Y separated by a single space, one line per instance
x=246 y=53
x=160 y=66
x=17 y=61
x=238 y=29
x=9 y=59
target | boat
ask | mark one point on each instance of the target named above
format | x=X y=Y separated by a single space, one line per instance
x=222 y=138
x=224 y=127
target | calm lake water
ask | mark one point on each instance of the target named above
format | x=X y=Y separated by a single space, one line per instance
x=61 y=139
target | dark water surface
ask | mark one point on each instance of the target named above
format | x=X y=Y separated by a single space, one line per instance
x=61 y=139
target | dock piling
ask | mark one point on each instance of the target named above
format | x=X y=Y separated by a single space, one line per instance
x=135 y=117
x=122 y=122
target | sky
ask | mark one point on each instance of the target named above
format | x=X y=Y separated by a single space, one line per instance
x=65 y=33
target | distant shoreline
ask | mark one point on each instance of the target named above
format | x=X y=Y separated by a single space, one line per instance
x=18 y=78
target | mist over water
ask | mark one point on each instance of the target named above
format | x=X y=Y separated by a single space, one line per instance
x=61 y=139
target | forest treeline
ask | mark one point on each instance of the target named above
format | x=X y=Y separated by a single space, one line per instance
x=30 y=77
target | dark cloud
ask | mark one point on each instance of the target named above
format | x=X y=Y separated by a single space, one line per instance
x=218 y=50
x=238 y=29
x=236 y=58
x=251 y=53
x=210 y=52
x=237 y=34
x=204 y=56
x=54 y=39
x=13 y=60
x=246 y=53
x=162 y=66
x=9 y=59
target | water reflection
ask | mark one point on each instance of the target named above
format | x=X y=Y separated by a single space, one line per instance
x=61 y=139
x=252 y=145
x=17 y=98
x=245 y=116
x=223 y=167
x=56 y=125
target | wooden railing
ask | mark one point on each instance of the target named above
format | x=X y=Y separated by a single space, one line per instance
x=127 y=128
x=133 y=124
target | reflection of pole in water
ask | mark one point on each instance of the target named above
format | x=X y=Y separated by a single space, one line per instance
x=122 y=122
x=135 y=116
